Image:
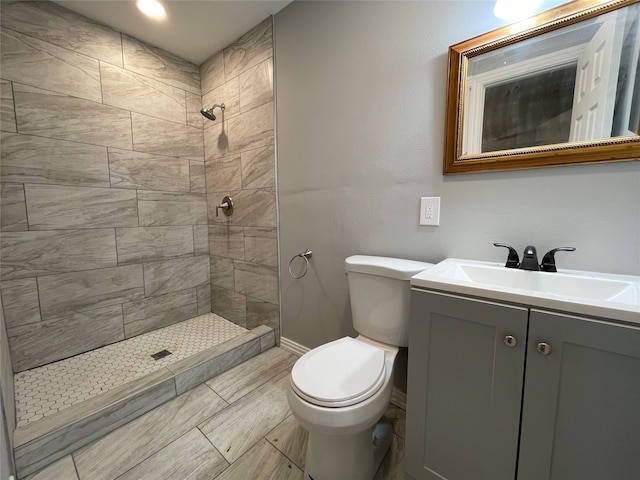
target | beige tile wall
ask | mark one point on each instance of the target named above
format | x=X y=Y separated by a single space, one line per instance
x=240 y=162
x=102 y=182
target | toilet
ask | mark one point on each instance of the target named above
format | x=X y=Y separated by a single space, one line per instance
x=340 y=390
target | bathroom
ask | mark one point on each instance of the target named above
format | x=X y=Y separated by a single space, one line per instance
x=358 y=129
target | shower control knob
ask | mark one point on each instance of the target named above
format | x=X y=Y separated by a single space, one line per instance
x=510 y=341
x=226 y=206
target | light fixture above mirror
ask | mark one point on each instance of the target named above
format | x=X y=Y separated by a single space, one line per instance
x=515 y=9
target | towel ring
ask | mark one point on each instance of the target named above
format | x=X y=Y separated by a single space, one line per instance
x=306 y=255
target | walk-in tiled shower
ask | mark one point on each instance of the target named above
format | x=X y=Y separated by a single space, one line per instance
x=45 y=390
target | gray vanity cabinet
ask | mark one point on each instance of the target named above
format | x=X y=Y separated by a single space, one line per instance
x=469 y=417
x=581 y=408
x=464 y=388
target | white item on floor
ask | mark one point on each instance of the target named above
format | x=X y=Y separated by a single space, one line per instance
x=340 y=390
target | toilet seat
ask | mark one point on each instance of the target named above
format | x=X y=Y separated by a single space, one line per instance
x=340 y=373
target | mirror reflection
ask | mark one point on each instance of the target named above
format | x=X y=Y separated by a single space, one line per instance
x=574 y=84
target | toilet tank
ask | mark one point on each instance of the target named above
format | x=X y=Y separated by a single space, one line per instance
x=379 y=291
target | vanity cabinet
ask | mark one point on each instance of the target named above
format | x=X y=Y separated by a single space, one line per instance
x=499 y=391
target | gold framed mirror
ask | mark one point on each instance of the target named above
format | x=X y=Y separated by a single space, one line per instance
x=559 y=88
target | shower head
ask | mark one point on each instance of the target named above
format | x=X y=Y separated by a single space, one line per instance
x=208 y=112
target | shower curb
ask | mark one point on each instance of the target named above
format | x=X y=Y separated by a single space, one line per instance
x=44 y=441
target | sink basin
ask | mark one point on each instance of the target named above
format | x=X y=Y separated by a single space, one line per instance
x=589 y=293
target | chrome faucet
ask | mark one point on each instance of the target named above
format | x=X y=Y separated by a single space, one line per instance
x=530 y=258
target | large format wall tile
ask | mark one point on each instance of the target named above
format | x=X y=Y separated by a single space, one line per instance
x=222 y=272
x=75 y=292
x=262 y=313
x=20 y=301
x=13 y=209
x=52 y=23
x=254 y=208
x=128 y=90
x=227 y=93
x=51 y=207
x=151 y=61
x=204 y=298
x=162 y=208
x=145 y=171
x=7 y=112
x=154 y=135
x=47 y=114
x=144 y=244
x=177 y=274
x=224 y=174
x=34 y=62
x=252 y=48
x=197 y=176
x=258 y=168
x=261 y=245
x=31 y=159
x=216 y=140
x=36 y=253
x=74 y=95
x=226 y=241
x=257 y=281
x=251 y=129
x=212 y=73
x=194 y=105
x=229 y=304
x=152 y=313
x=256 y=85
x=201 y=239
x=44 y=342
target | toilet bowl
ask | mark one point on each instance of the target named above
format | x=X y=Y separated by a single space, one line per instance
x=340 y=390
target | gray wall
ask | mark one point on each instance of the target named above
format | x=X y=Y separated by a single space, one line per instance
x=104 y=220
x=240 y=162
x=360 y=118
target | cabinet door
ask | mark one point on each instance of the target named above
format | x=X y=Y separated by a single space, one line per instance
x=464 y=388
x=581 y=408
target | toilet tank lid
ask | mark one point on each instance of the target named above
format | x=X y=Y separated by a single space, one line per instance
x=397 y=268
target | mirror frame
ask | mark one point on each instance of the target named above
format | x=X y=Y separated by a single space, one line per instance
x=614 y=149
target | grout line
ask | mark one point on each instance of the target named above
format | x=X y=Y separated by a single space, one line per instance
x=13 y=101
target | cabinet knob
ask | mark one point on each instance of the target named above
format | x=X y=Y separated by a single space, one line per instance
x=510 y=341
x=543 y=348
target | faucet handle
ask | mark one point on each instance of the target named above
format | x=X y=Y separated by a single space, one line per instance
x=549 y=260
x=513 y=261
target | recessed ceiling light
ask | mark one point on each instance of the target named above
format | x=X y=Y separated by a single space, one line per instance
x=151 y=8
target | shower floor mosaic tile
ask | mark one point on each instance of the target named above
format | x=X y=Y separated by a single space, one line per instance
x=45 y=390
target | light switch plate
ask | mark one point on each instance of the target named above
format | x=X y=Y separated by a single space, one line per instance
x=430 y=211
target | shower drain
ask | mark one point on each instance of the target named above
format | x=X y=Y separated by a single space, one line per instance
x=161 y=354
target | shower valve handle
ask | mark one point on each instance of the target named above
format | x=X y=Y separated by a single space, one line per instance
x=226 y=206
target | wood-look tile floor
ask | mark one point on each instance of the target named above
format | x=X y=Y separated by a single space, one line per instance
x=237 y=426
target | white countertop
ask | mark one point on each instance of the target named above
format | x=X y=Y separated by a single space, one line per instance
x=609 y=296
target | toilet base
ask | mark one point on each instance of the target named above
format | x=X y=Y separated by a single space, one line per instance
x=347 y=457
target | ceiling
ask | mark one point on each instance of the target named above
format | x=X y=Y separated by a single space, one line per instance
x=193 y=30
